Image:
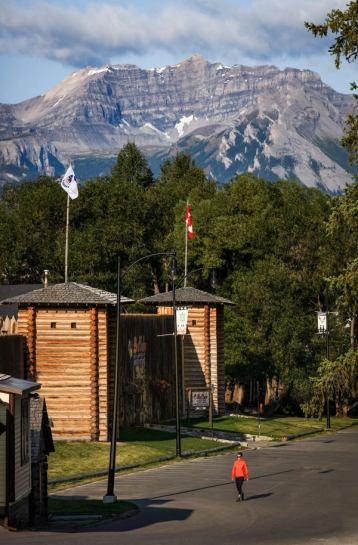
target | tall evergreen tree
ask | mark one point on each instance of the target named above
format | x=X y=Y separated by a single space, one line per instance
x=32 y=228
x=132 y=166
x=343 y=24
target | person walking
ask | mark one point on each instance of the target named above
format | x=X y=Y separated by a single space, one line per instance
x=239 y=473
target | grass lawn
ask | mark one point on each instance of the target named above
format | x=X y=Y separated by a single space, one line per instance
x=137 y=445
x=275 y=427
x=59 y=506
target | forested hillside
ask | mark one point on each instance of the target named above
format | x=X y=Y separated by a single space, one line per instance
x=281 y=251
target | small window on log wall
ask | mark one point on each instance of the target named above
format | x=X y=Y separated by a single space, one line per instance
x=53 y=325
x=73 y=325
x=193 y=322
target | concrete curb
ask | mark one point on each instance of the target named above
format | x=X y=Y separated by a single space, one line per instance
x=74 y=523
x=302 y=434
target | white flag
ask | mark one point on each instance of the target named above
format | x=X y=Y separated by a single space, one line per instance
x=69 y=183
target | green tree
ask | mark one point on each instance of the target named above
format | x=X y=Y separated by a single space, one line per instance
x=342 y=229
x=111 y=220
x=343 y=24
x=32 y=226
x=336 y=379
x=180 y=180
x=132 y=166
x=268 y=241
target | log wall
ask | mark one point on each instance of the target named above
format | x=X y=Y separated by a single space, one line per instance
x=204 y=363
x=146 y=364
x=72 y=352
x=218 y=370
x=63 y=359
x=102 y=375
x=196 y=350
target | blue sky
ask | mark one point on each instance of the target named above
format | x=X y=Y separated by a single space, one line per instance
x=42 y=41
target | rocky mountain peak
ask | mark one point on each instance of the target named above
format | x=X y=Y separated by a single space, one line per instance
x=272 y=122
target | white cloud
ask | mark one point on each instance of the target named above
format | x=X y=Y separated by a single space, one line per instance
x=94 y=33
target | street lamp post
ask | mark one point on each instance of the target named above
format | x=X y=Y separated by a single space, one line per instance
x=323 y=329
x=328 y=414
x=110 y=496
x=173 y=273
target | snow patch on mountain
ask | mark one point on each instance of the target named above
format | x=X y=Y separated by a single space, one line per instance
x=94 y=71
x=154 y=129
x=184 y=123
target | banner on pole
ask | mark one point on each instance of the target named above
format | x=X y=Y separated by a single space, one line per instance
x=322 y=322
x=182 y=320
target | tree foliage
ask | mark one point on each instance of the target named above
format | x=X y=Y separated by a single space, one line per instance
x=274 y=245
x=342 y=230
x=343 y=24
x=336 y=380
x=132 y=167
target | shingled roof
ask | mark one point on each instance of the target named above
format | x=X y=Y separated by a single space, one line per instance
x=70 y=293
x=8 y=291
x=185 y=296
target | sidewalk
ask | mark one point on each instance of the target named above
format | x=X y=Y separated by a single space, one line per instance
x=243 y=439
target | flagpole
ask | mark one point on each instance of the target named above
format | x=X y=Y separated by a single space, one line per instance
x=66 y=246
x=186 y=249
x=68 y=184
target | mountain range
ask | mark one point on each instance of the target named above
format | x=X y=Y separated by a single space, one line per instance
x=231 y=119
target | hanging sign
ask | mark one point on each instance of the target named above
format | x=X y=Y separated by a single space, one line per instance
x=182 y=320
x=322 y=322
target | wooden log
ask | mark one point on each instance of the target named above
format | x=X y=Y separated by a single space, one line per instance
x=94 y=374
x=103 y=375
x=31 y=343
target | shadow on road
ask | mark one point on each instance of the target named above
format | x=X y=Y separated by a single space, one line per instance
x=257 y=496
x=273 y=474
x=150 y=512
x=187 y=491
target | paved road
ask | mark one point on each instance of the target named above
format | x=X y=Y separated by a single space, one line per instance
x=301 y=493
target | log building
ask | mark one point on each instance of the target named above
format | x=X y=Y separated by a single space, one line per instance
x=202 y=361
x=66 y=327
x=70 y=332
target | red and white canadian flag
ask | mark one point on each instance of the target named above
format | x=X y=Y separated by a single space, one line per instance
x=189 y=223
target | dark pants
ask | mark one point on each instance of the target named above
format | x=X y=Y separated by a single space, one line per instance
x=239 y=481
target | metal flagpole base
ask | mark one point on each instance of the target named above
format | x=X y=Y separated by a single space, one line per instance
x=109 y=498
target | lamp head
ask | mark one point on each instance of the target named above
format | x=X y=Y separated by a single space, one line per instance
x=213 y=278
x=173 y=268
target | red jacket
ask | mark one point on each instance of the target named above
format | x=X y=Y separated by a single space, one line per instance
x=239 y=469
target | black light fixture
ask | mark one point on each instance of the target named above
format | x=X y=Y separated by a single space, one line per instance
x=173 y=268
x=110 y=496
x=323 y=329
x=213 y=278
